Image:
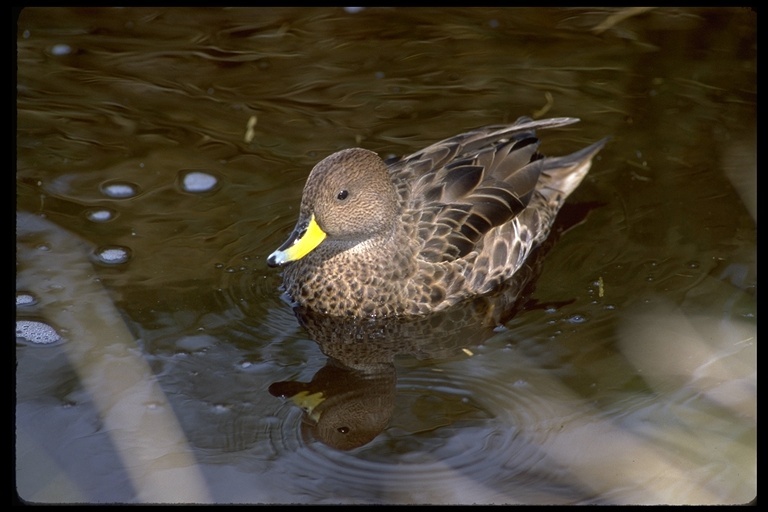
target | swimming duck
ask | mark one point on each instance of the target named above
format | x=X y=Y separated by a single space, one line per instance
x=418 y=234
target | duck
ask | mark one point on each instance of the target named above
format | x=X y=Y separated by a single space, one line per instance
x=417 y=234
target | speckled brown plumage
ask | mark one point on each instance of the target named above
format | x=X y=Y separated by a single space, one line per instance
x=421 y=233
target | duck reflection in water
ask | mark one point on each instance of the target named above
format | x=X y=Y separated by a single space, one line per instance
x=344 y=407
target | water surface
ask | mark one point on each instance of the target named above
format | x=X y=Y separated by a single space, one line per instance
x=160 y=158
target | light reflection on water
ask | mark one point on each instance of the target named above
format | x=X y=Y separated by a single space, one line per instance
x=628 y=376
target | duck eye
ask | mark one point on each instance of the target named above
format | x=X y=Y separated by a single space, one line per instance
x=342 y=195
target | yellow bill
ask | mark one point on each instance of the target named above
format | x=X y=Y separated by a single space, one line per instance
x=301 y=242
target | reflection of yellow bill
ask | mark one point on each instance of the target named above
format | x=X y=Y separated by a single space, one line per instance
x=309 y=402
x=301 y=243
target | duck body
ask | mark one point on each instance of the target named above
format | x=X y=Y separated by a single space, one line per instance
x=421 y=233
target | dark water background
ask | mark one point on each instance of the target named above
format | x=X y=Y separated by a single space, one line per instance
x=160 y=157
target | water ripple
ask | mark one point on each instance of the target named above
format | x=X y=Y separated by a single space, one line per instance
x=459 y=434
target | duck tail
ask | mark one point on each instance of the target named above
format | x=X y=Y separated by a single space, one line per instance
x=562 y=174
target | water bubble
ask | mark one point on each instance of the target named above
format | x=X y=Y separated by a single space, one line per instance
x=113 y=255
x=25 y=299
x=120 y=189
x=36 y=332
x=576 y=319
x=100 y=215
x=195 y=343
x=61 y=49
x=197 y=181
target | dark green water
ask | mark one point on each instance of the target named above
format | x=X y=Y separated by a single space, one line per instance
x=180 y=139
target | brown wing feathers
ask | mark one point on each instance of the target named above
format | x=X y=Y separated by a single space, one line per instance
x=466 y=198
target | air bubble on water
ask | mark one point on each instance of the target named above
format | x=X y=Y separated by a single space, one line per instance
x=195 y=343
x=113 y=255
x=197 y=181
x=36 y=332
x=100 y=215
x=120 y=189
x=25 y=299
x=153 y=405
x=576 y=319
x=61 y=49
